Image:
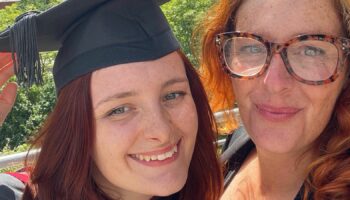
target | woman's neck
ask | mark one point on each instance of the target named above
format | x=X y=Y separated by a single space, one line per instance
x=270 y=176
x=115 y=192
x=119 y=194
x=280 y=174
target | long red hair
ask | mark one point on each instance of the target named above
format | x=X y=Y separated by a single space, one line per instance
x=329 y=174
x=63 y=169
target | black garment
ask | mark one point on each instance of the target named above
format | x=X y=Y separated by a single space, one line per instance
x=172 y=197
x=10 y=188
x=237 y=147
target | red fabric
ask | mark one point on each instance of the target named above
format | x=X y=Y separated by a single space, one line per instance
x=22 y=176
x=5 y=59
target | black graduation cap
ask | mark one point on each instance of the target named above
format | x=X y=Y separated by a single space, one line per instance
x=89 y=34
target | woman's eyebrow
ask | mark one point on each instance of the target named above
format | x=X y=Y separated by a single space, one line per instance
x=174 y=81
x=121 y=95
x=118 y=95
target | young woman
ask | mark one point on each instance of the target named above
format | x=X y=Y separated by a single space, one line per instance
x=131 y=119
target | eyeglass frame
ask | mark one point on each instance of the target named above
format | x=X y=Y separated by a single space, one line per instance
x=280 y=48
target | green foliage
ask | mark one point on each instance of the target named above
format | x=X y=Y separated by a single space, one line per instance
x=21 y=148
x=9 y=13
x=40 y=5
x=31 y=108
x=183 y=16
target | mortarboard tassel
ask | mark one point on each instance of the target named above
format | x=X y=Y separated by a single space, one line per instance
x=25 y=53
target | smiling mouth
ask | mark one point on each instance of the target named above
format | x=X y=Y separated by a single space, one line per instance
x=160 y=157
x=277 y=114
x=149 y=157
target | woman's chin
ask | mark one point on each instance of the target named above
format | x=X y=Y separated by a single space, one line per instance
x=170 y=188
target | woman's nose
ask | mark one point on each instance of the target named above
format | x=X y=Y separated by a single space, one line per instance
x=159 y=126
x=277 y=79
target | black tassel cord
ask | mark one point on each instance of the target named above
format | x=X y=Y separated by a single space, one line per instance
x=25 y=53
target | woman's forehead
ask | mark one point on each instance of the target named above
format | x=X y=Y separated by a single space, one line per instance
x=137 y=76
x=283 y=19
x=168 y=65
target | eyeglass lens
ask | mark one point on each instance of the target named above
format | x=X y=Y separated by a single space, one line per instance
x=311 y=60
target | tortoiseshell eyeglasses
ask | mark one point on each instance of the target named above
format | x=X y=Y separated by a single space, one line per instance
x=311 y=59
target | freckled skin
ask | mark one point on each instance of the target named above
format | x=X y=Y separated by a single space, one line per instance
x=287 y=18
x=149 y=122
x=278 y=21
x=274 y=170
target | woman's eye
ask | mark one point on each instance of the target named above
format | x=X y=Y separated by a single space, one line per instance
x=252 y=49
x=313 y=51
x=173 y=95
x=118 y=111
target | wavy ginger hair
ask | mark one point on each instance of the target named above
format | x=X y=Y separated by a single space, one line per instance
x=329 y=174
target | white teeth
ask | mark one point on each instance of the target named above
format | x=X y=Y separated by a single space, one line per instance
x=153 y=157
x=163 y=156
x=147 y=158
x=168 y=154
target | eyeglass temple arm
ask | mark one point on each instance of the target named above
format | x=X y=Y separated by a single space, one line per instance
x=345 y=42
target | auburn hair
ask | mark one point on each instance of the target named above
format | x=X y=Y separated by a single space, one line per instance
x=329 y=174
x=63 y=169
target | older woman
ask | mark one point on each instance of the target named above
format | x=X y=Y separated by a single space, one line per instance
x=131 y=120
x=286 y=66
